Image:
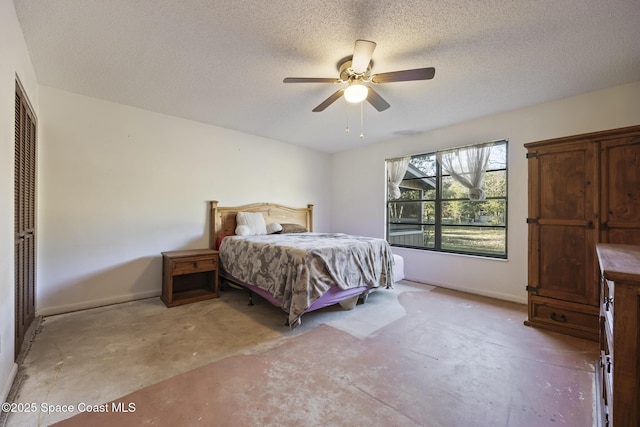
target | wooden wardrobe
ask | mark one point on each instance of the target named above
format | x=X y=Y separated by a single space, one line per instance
x=583 y=190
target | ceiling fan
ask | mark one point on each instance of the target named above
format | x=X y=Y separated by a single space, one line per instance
x=356 y=70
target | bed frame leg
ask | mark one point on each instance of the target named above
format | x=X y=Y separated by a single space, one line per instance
x=250 y=298
x=286 y=322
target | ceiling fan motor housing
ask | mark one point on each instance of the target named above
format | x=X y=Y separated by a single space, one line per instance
x=347 y=74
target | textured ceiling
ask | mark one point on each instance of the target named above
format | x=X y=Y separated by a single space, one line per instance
x=222 y=61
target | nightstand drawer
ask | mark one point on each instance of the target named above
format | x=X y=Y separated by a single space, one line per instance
x=194 y=265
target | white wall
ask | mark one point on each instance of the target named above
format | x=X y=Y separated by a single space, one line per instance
x=15 y=62
x=358 y=188
x=119 y=185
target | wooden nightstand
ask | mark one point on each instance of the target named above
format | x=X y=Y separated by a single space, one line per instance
x=189 y=276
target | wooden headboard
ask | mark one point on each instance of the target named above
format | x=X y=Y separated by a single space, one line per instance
x=223 y=219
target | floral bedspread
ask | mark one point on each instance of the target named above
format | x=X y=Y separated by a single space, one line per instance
x=299 y=268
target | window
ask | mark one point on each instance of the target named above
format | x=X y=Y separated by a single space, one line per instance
x=431 y=207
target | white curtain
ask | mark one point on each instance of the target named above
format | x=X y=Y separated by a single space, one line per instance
x=467 y=165
x=396 y=168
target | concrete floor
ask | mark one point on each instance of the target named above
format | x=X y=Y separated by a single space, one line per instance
x=434 y=357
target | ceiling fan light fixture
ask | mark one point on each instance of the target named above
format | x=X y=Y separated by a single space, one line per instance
x=356 y=93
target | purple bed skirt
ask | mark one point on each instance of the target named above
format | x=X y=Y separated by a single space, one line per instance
x=333 y=296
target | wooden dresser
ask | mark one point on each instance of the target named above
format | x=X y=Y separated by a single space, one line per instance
x=583 y=190
x=618 y=371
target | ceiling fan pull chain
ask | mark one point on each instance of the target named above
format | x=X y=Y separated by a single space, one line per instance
x=361 y=119
x=347 y=114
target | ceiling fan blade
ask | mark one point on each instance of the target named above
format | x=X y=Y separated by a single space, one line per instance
x=377 y=101
x=362 y=53
x=403 y=76
x=330 y=100
x=310 y=80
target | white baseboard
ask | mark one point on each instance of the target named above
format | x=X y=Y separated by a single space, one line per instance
x=6 y=388
x=481 y=292
x=84 y=305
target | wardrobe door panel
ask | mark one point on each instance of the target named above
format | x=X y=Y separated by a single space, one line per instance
x=620 y=190
x=565 y=184
x=564 y=263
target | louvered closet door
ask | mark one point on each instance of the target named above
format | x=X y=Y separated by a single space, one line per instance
x=25 y=217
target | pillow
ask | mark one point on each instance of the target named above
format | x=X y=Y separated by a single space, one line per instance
x=243 y=230
x=293 y=228
x=254 y=221
x=273 y=227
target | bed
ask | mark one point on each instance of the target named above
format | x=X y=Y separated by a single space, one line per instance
x=295 y=268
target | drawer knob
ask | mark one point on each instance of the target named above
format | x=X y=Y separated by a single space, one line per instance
x=195 y=264
x=608 y=302
x=558 y=317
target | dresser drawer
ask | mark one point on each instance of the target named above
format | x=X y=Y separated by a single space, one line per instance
x=566 y=315
x=194 y=265
x=607 y=381
x=607 y=297
x=603 y=395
